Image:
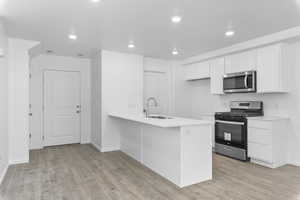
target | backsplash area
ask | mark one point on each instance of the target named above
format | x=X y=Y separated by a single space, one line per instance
x=202 y=102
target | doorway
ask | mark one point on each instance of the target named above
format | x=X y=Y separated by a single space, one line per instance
x=61 y=107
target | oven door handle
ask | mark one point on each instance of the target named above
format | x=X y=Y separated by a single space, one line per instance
x=230 y=122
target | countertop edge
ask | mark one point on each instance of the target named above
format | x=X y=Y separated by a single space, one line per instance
x=191 y=122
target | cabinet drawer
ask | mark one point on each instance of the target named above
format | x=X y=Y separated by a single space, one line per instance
x=260 y=152
x=260 y=124
x=260 y=136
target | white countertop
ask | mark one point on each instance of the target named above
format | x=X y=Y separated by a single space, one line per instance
x=268 y=118
x=164 y=123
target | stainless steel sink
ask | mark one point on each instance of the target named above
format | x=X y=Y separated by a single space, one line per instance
x=159 y=117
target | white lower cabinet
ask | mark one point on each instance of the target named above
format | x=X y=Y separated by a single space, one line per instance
x=267 y=142
x=211 y=118
x=260 y=152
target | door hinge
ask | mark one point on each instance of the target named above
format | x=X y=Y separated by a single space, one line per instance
x=29 y=135
x=30 y=75
x=43 y=138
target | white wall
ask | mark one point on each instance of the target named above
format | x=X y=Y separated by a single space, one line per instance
x=193 y=99
x=18 y=99
x=122 y=91
x=96 y=100
x=51 y=62
x=3 y=104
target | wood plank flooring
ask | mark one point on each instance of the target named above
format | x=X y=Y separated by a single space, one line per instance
x=80 y=172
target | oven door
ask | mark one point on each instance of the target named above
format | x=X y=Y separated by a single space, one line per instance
x=240 y=82
x=232 y=133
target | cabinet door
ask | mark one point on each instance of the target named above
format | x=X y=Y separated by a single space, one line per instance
x=211 y=119
x=216 y=75
x=270 y=77
x=260 y=152
x=240 y=62
x=197 y=71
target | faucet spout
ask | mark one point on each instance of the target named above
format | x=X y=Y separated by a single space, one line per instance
x=146 y=110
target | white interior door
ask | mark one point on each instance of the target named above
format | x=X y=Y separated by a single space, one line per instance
x=61 y=107
x=156 y=85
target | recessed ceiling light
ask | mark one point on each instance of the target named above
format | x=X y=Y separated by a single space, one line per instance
x=95 y=1
x=73 y=37
x=176 y=19
x=229 y=33
x=131 y=45
x=175 y=52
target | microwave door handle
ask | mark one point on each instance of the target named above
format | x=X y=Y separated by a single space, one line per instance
x=246 y=81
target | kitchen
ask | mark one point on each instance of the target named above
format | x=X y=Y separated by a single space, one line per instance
x=114 y=115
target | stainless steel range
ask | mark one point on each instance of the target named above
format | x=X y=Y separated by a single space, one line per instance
x=231 y=128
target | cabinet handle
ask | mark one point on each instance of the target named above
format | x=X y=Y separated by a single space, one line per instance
x=246 y=82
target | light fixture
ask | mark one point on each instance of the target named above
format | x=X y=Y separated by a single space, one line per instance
x=131 y=45
x=229 y=33
x=73 y=37
x=95 y=1
x=176 y=19
x=175 y=52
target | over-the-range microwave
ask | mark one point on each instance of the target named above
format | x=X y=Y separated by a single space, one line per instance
x=239 y=82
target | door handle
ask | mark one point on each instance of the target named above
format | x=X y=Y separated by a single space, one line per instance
x=230 y=122
x=246 y=81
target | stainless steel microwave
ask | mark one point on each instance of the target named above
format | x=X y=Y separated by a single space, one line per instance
x=239 y=82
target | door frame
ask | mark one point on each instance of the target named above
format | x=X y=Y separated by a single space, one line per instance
x=43 y=102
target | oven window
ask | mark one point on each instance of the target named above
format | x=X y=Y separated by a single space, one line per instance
x=231 y=134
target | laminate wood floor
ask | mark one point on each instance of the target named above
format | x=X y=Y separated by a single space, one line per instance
x=80 y=172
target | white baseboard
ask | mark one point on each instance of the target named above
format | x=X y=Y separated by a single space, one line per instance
x=295 y=163
x=3 y=173
x=86 y=142
x=96 y=146
x=108 y=149
x=20 y=161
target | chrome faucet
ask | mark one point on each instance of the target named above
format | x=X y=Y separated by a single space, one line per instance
x=146 y=110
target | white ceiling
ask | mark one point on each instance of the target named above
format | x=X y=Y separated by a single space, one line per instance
x=111 y=24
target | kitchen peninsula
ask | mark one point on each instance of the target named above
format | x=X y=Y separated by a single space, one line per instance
x=178 y=149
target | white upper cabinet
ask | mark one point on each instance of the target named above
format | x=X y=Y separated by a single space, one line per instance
x=240 y=62
x=197 y=71
x=272 y=74
x=269 y=62
x=217 y=69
